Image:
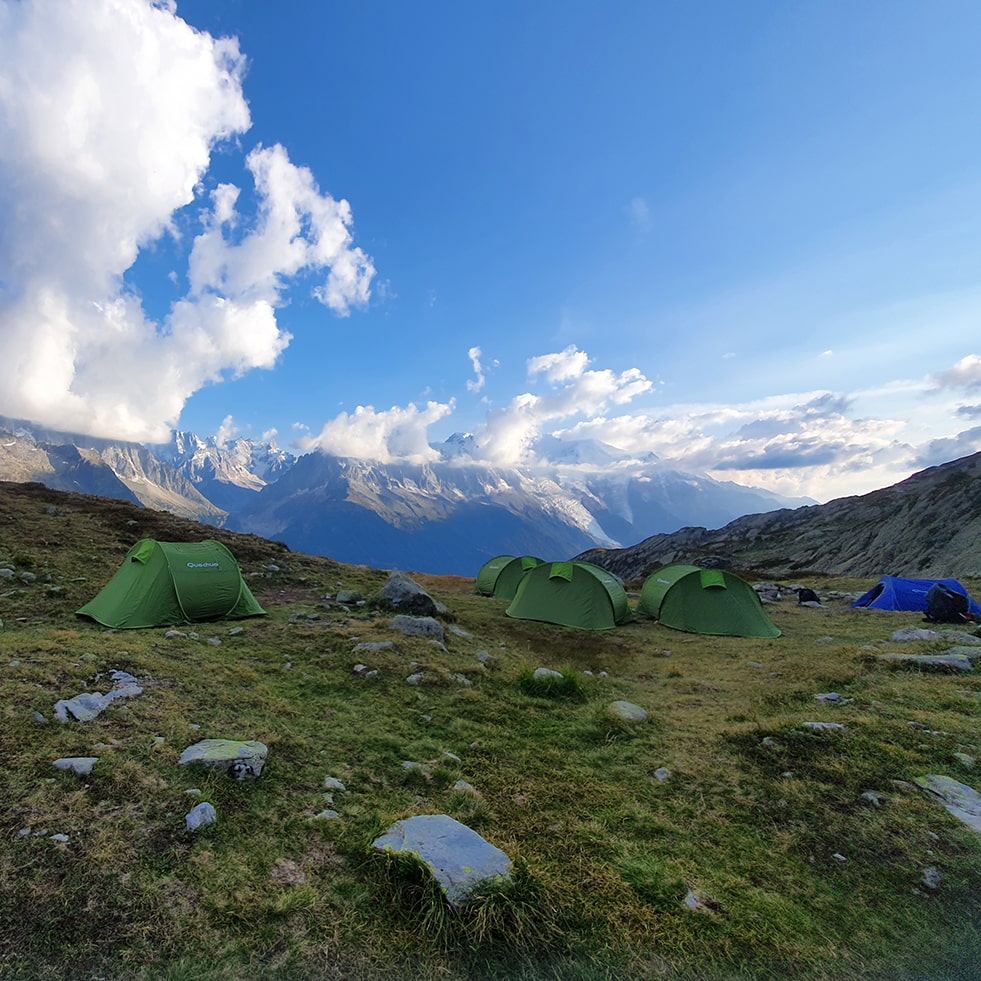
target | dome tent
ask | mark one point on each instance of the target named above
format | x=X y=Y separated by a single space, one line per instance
x=500 y=576
x=571 y=594
x=704 y=601
x=160 y=584
x=894 y=593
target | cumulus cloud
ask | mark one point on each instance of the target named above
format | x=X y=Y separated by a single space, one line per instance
x=938 y=451
x=397 y=434
x=966 y=374
x=83 y=190
x=509 y=433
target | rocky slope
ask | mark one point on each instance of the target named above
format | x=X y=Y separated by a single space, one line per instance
x=928 y=526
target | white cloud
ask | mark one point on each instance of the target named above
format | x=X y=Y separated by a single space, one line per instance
x=507 y=435
x=227 y=431
x=560 y=366
x=396 y=434
x=477 y=383
x=965 y=374
x=83 y=188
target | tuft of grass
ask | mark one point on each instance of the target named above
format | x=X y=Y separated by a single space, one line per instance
x=565 y=684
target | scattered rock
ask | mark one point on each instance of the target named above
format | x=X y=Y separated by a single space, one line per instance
x=242 y=759
x=413 y=626
x=823 y=726
x=627 y=710
x=833 y=698
x=406 y=596
x=915 y=633
x=348 y=596
x=960 y=800
x=88 y=705
x=547 y=673
x=931 y=877
x=459 y=859
x=373 y=647
x=200 y=816
x=930 y=662
x=661 y=774
x=81 y=766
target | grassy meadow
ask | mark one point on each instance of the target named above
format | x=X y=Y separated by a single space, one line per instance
x=755 y=856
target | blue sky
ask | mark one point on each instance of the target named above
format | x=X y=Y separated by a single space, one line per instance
x=741 y=236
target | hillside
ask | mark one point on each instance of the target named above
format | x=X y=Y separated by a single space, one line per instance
x=928 y=526
x=760 y=817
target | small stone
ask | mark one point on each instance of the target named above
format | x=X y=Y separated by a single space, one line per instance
x=627 y=710
x=415 y=679
x=838 y=857
x=661 y=774
x=547 y=673
x=823 y=726
x=81 y=766
x=327 y=815
x=332 y=783
x=931 y=877
x=58 y=837
x=200 y=816
x=38 y=718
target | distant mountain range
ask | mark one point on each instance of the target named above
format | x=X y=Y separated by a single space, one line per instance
x=445 y=517
x=925 y=527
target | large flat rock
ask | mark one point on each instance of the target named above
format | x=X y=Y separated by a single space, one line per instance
x=459 y=859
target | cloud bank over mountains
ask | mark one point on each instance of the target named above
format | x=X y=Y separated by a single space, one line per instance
x=124 y=141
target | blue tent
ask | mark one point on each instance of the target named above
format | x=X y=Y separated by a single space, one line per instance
x=893 y=593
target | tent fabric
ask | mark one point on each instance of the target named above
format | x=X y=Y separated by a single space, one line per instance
x=704 y=601
x=500 y=576
x=895 y=593
x=571 y=594
x=161 y=584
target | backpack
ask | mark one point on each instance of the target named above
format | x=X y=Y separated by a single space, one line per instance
x=946 y=606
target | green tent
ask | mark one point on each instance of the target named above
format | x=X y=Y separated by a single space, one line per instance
x=161 y=584
x=573 y=594
x=500 y=576
x=704 y=601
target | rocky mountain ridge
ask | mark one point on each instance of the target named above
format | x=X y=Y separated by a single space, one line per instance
x=927 y=526
x=444 y=517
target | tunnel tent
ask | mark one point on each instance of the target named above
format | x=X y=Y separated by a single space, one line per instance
x=704 y=601
x=571 y=594
x=896 y=593
x=500 y=576
x=161 y=584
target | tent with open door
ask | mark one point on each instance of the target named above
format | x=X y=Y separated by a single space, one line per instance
x=704 y=601
x=572 y=594
x=500 y=576
x=895 y=593
x=162 y=584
